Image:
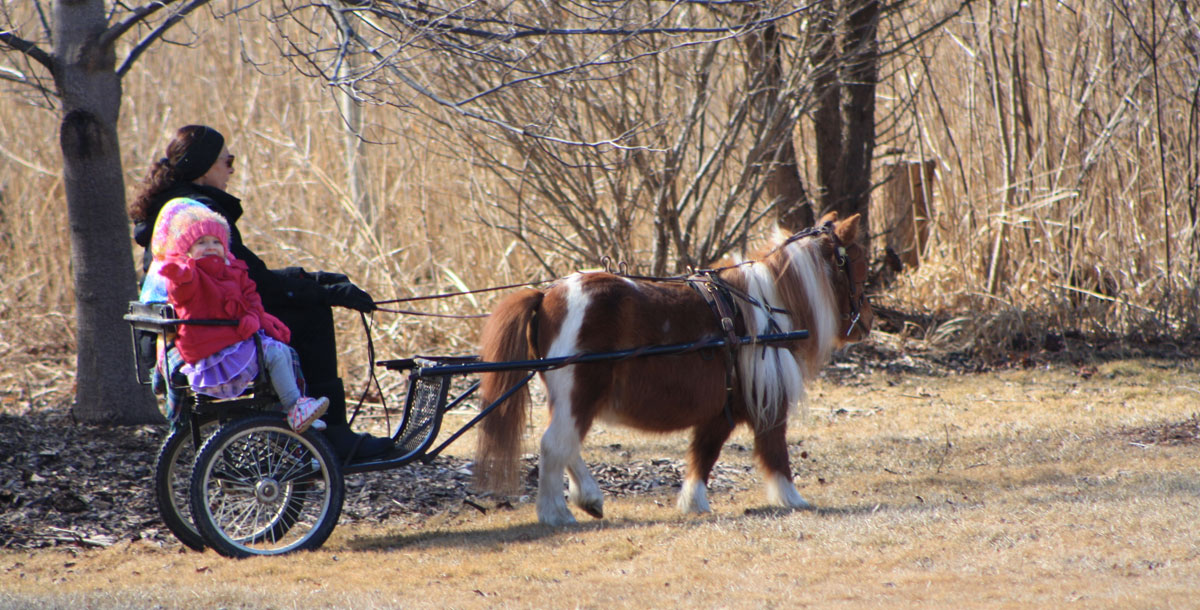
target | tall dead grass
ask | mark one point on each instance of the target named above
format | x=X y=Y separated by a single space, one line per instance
x=1042 y=120
x=1065 y=139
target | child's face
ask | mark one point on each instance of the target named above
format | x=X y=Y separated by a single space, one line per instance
x=207 y=245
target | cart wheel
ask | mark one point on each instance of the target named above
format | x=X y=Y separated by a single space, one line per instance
x=172 y=482
x=259 y=488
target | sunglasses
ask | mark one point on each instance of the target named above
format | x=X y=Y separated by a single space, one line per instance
x=229 y=161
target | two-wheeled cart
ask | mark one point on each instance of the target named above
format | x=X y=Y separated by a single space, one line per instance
x=231 y=474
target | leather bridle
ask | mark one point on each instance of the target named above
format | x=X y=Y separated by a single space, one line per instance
x=843 y=261
x=842 y=258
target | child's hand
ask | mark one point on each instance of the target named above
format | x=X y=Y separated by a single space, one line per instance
x=177 y=271
x=247 y=326
x=275 y=328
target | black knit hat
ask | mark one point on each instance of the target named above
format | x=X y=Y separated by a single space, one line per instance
x=200 y=155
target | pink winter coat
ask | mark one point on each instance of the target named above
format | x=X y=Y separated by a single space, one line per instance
x=208 y=288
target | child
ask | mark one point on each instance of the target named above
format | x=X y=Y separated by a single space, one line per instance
x=204 y=281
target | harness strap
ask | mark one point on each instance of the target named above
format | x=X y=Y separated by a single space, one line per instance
x=716 y=294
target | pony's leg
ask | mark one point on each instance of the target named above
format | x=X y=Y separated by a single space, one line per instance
x=560 y=446
x=770 y=447
x=584 y=490
x=707 y=440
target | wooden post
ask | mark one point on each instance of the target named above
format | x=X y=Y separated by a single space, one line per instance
x=903 y=213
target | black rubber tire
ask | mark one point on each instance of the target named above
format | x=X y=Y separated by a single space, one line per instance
x=260 y=488
x=172 y=482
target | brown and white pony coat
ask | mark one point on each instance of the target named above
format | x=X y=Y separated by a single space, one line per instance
x=814 y=281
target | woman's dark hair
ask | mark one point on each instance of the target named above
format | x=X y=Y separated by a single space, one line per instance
x=190 y=154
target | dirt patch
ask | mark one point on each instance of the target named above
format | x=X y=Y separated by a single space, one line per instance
x=1186 y=432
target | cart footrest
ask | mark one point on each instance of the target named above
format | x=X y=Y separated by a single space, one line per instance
x=422 y=413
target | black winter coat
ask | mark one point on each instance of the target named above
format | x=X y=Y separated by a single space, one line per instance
x=290 y=287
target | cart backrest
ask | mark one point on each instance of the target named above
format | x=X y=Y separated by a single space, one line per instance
x=151 y=317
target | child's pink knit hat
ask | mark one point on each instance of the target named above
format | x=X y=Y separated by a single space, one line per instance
x=181 y=222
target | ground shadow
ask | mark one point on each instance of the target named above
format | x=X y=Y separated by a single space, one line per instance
x=478 y=539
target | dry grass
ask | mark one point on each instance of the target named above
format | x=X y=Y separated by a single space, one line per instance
x=1023 y=488
x=1098 y=224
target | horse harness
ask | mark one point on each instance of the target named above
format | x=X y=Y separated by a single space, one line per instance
x=724 y=299
x=718 y=294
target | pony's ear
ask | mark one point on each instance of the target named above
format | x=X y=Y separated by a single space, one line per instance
x=847 y=230
x=830 y=217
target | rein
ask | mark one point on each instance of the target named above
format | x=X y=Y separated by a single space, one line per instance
x=701 y=277
x=446 y=295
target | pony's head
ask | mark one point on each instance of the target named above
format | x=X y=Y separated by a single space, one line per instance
x=821 y=275
x=850 y=282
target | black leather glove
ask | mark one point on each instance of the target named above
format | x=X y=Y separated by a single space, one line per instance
x=346 y=294
x=326 y=278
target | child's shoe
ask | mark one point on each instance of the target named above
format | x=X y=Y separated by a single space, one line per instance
x=306 y=411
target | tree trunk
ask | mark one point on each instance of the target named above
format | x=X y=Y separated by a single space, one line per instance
x=858 y=109
x=901 y=216
x=356 y=155
x=844 y=119
x=351 y=109
x=827 y=118
x=106 y=384
x=785 y=190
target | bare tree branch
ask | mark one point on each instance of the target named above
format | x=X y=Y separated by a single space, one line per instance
x=135 y=17
x=154 y=35
x=28 y=48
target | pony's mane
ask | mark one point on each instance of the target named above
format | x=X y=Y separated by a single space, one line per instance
x=791 y=277
x=805 y=284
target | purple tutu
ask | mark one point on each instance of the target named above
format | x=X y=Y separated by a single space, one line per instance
x=227 y=373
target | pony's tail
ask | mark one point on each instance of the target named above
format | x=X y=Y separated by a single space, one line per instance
x=506 y=337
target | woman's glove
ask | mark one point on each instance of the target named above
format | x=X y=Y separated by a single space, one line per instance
x=346 y=294
x=327 y=278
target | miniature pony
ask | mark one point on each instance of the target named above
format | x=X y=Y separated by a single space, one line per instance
x=814 y=280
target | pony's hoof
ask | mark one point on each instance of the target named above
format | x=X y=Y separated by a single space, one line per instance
x=556 y=520
x=781 y=492
x=595 y=510
x=693 y=499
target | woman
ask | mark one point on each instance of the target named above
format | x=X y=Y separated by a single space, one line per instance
x=197 y=166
